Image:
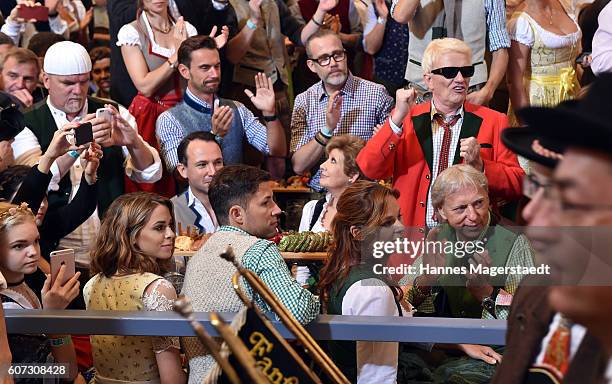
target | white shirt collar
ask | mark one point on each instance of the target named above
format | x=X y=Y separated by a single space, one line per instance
x=60 y=116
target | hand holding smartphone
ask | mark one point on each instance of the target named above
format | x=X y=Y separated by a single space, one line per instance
x=105 y=113
x=83 y=134
x=36 y=12
x=63 y=257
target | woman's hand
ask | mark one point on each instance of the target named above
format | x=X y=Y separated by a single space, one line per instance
x=13 y=16
x=58 y=296
x=59 y=143
x=481 y=352
x=92 y=158
x=179 y=33
x=221 y=39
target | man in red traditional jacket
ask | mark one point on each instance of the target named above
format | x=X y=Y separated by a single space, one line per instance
x=418 y=142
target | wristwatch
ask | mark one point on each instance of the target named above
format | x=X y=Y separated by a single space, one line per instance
x=488 y=302
x=381 y=20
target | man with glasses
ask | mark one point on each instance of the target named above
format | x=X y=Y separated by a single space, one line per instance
x=418 y=142
x=339 y=104
x=568 y=193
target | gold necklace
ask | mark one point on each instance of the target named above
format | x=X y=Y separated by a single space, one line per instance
x=164 y=31
x=550 y=16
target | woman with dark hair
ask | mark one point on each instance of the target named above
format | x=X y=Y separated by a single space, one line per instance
x=367 y=212
x=133 y=250
x=149 y=47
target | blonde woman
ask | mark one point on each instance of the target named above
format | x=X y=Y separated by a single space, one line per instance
x=134 y=248
x=545 y=43
x=19 y=256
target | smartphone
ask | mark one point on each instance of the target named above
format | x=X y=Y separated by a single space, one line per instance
x=36 y=12
x=105 y=113
x=59 y=258
x=83 y=134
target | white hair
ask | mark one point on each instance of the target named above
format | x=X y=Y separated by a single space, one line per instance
x=455 y=178
x=439 y=47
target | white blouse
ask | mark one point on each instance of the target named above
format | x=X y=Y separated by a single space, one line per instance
x=376 y=361
x=308 y=212
x=128 y=35
x=520 y=29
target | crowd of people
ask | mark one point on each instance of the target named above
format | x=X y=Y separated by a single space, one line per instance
x=431 y=121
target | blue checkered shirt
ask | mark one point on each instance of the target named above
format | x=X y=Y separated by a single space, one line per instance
x=365 y=104
x=169 y=132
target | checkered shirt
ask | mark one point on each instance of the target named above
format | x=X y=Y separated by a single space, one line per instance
x=169 y=132
x=365 y=104
x=521 y=254
x=264 y=259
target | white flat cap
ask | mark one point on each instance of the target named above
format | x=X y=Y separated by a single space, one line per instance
x=67 y=58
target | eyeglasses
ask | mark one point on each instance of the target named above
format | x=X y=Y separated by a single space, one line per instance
x=325 y=60
x=451 y=72
x=531 y=186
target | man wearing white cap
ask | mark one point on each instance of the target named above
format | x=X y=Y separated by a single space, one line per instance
x=66 y=74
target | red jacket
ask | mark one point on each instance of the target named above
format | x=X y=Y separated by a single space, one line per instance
x=408 y=158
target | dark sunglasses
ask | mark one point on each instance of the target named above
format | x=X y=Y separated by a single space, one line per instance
x=451 y=72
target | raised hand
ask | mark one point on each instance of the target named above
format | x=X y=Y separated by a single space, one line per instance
x=264 y=98
x=327 y=5
x=255 y=7
x=179 y=34
x=92 y=157
x=122 y=132
x=221 y=39
x=381 y=8
x=59 y=143
x=469 y=150
x=52 y=5
x=333 y=112
x=404 y=98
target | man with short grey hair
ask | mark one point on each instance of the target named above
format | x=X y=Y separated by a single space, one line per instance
x=67 y=68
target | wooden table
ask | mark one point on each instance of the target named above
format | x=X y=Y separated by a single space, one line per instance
x=288 y=256
x=304 y=256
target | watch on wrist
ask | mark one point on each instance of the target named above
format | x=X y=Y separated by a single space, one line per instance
x=381 y=20
x=488 y=302
x=171 y=64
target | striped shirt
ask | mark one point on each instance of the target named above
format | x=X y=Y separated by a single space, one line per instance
x=437 y=137
x=264 y=259
x=365 y=104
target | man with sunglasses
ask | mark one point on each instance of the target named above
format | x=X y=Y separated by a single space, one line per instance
x=568 y=193
x=339 y=104
x=419 y=141
x=480 y=23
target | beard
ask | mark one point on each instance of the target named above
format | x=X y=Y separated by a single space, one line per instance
x=209 y=87
x=336 y=78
